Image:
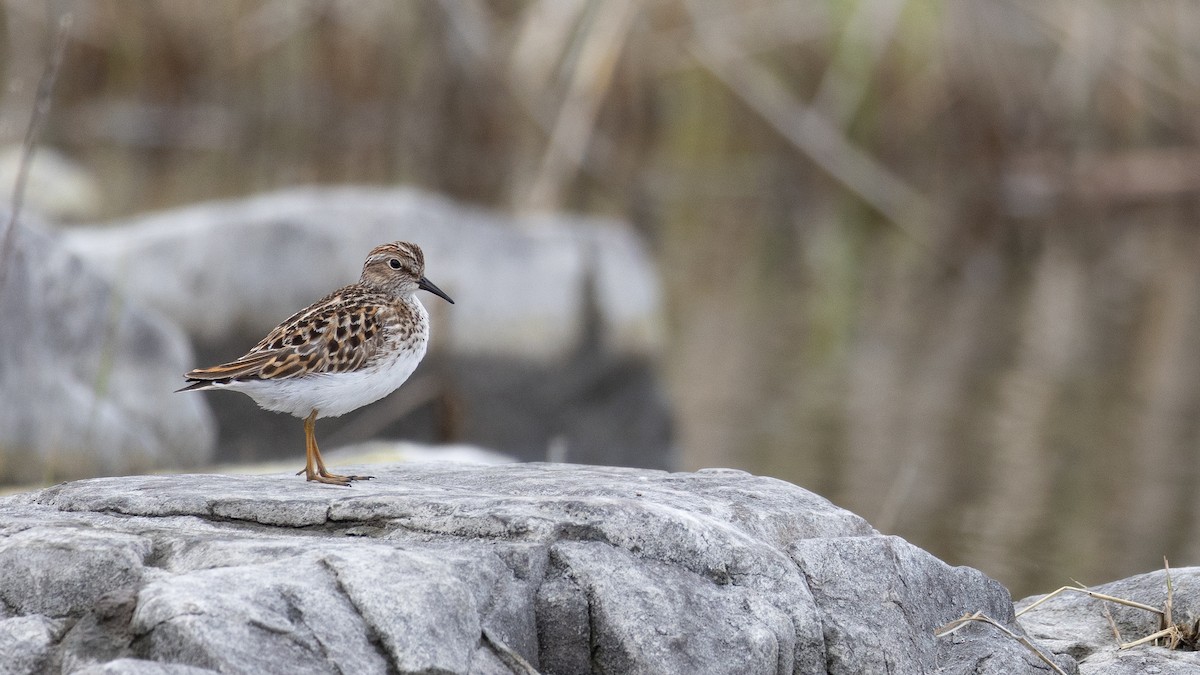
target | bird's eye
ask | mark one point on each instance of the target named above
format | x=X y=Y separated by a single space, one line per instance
x=394 y=264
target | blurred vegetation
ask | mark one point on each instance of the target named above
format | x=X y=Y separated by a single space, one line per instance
x=934 y=260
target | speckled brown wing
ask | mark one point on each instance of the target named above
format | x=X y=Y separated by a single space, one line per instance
x=337 y=334
x=246 y=367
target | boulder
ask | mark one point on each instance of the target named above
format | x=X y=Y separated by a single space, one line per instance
x=86 y=372
x=1083 y=626
x=515 y=568
x=56 y=186
x=554 y=336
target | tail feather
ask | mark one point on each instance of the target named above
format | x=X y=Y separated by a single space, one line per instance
x=246 y=367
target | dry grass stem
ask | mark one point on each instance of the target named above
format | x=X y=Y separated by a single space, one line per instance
x=1093 y=594
x=1112 y=623
x=983 y=618
x=811 y=133
x=576 y=122
x=871 y=27
x=33 y=132
x=1149 y=638
x=1183 y=634
x=1177 y=634
x=1167 y=618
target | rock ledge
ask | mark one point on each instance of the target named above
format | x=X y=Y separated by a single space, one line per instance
x=476 y=569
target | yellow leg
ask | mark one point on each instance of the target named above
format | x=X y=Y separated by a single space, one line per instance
x=312 y=457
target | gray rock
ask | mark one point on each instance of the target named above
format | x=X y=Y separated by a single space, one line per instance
x=1079 y=625
x=549 y=349
x=84 y=373
x=27 y=642
x=482 y=569
x=67 y=572
x=1145 y=661
x=56 y=186
x=520 y=284
x=140 y=667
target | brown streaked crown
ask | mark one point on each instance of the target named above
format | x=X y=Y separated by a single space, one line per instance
x=394 y=268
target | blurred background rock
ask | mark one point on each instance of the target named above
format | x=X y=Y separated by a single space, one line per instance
x=936 y=261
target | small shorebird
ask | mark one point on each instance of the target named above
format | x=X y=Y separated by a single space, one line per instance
x=351 y=348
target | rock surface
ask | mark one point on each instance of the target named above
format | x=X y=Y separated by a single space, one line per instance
x=1077 y=624
x=549 y=349
x=84 y=373
x=498 y=569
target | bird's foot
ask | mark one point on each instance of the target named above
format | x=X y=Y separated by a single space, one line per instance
x=332 y=478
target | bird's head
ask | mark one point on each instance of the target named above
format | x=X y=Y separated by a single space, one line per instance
x=398 y=268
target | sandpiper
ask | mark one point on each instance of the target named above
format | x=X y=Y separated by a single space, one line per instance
x=352 y=347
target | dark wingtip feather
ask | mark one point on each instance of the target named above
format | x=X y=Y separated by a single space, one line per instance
x=193 y=385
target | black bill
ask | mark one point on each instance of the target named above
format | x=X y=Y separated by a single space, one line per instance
x=427 y=285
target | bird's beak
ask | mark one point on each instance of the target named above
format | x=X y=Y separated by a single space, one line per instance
x=427 y=285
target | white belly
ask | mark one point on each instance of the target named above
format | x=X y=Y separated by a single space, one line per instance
x=334 y=394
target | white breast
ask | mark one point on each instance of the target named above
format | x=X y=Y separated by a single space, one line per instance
x=334 y=394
